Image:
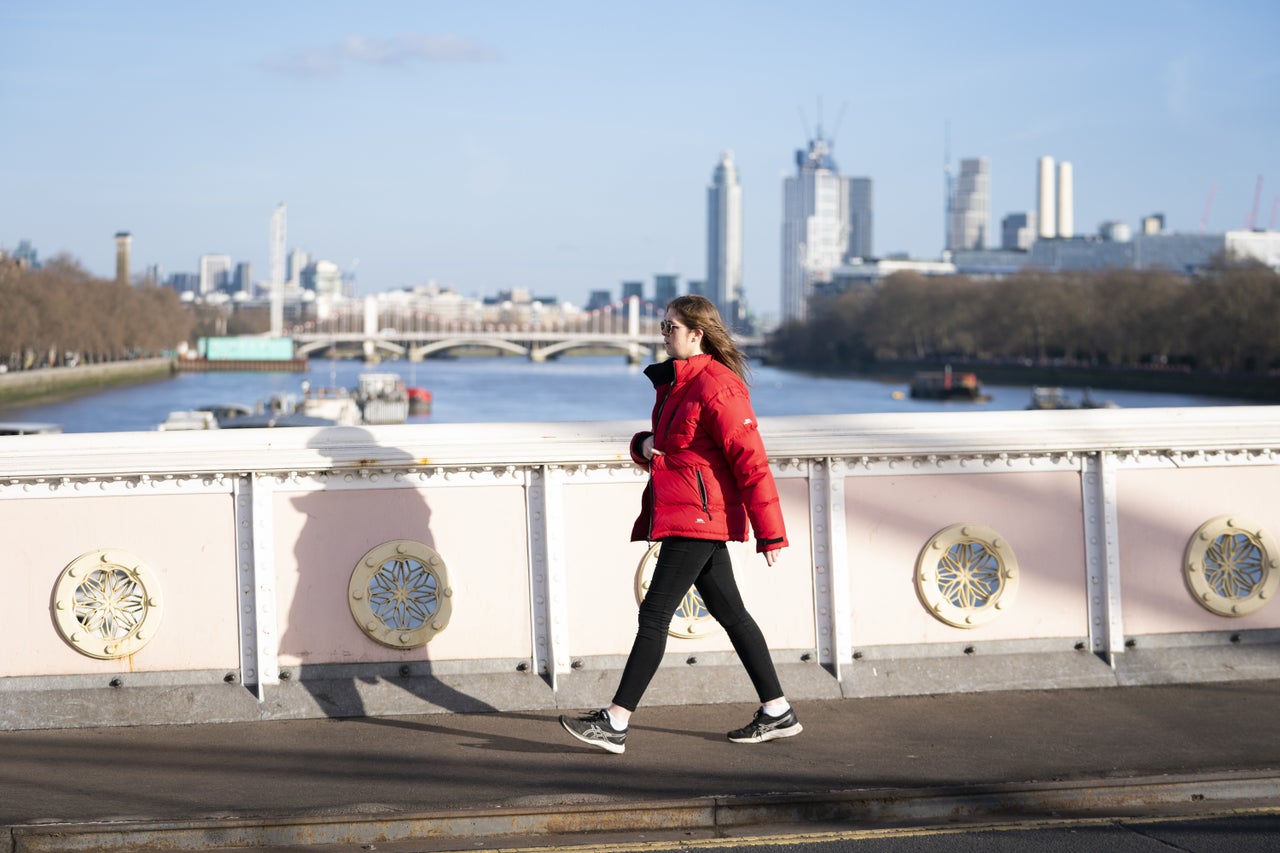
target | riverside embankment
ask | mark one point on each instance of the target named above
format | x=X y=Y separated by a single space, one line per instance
x=52 y=383
x=1157 y=380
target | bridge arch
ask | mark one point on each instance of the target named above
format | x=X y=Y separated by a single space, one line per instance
x=458 y=343
x=312 y=347
x=627 y=348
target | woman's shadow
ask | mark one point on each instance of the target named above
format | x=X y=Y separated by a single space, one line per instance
x=322 y=648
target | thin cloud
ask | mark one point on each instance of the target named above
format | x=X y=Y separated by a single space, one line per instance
x=396 y=52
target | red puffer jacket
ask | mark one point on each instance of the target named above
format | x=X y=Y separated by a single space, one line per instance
x=713 y=474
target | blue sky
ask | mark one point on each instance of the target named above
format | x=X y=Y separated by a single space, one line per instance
x=567 y=146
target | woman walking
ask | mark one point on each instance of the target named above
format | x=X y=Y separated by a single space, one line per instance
x=708 y=477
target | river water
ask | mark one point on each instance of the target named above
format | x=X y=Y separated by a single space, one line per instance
x=480 y=390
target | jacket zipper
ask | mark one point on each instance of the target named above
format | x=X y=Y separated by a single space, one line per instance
x=702 y=494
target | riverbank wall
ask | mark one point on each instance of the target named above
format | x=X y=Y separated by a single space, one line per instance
x=51 y=383
x=1237 y=386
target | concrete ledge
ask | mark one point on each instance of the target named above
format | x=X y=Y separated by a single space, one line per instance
x=705 y=679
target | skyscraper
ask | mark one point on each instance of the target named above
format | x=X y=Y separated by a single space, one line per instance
x=815 y=226
x=724 y=241
x=665 y=287
x=971 y=206
x=860 y=218
x=242 y=280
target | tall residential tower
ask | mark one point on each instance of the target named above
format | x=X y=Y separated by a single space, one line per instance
x=860 y=218
x=724 y=241
x=970 y=208
x=815 y=226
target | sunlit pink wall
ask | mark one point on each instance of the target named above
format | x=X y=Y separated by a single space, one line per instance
x=890 y=519
x=480 y=533
x=602 y=569
x=1159 y=512
x=186 y=541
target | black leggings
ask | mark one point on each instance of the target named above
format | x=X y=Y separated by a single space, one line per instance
x=703 y=564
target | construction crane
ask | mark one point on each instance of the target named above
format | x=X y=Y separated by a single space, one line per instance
x=1253 y=211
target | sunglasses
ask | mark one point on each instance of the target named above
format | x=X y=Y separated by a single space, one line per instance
x=668 y=327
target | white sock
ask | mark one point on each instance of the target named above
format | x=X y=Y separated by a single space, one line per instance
x=613 y=724
x=776 y=708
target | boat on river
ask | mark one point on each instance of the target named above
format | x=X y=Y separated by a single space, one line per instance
x=335 y=404
x=28 y=428
x=383 y=398
x=1050 y=397
x=947 y=384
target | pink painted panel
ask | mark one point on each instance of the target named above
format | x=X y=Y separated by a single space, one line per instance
x=603 y=570
x=601 y=566
x=890 y=519
x=188 y=543
x=1159 y=511
x=479 y=532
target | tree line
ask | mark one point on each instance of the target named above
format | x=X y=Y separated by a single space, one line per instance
x=61 y=315
x=1220 y=319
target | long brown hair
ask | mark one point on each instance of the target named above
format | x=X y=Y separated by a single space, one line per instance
x=699 y=312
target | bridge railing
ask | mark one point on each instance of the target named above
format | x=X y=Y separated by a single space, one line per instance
x=256 y=574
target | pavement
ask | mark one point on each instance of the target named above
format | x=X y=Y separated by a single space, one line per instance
x=505 y=779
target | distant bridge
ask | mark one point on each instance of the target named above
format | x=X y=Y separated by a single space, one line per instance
x=415 y=337
x=533 y=343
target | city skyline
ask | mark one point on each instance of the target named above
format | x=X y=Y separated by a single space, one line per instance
x=564 y=148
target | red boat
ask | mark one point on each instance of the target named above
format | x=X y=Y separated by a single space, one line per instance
x=419 y=401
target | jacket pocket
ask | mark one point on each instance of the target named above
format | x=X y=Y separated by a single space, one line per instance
x=702 y=493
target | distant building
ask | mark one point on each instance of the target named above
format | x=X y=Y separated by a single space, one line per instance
x=860 y=219
x=242 y=281
x=815 y=226
x=665 y=288
x=861 y=273
x=989 y=263
x=632 y=288
x=1115 y=232
x=185 y=283
x=297 y=261
x=971 y=206
x=598 y=299
x=724 y=239
x=1179 y=253
x=1017 y=231
x=697 y=288
x=26 y=255
x=215 y=272
x=323 y=278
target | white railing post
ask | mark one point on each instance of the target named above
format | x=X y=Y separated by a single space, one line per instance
x=1102 y=555
x=255 y=583
x=830 y=565
x=547 y=593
